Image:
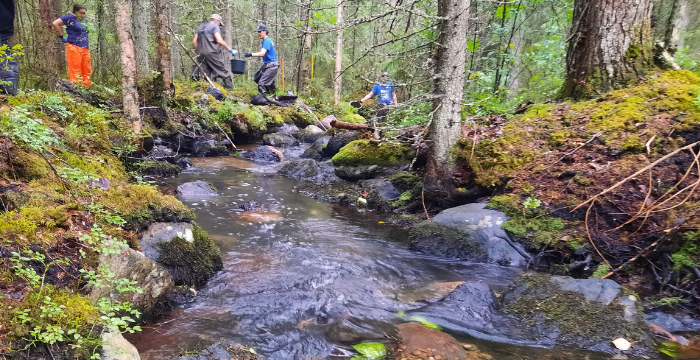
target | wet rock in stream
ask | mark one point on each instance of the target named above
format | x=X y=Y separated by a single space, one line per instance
x=222 y=352
x=310 y=134
x=419 y=342
x=309 y=170
x=280 y=140
x=315 y=152
x=209 y=148
x=482 y=227
x=264 y=154
x=546 y=311
x=196 y=189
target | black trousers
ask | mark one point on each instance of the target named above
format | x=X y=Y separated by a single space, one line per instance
x=7 y=20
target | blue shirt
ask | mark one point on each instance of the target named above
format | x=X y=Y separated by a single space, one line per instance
x=385 y=93
x=271 y=54
x=77 y=33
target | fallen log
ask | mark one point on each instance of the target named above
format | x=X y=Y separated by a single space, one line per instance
x=350 y=126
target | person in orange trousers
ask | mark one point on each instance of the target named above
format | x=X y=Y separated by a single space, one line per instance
x=77 y=47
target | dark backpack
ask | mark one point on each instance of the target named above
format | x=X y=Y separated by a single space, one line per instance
x=9 y=78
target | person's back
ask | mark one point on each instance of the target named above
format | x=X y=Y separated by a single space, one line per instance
x=206 y=43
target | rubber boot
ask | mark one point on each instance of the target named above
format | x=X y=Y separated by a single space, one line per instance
x=228 y=83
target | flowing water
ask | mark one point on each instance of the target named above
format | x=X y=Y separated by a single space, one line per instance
x=299 y=267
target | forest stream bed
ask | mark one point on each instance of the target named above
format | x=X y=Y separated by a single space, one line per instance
x=300 y=273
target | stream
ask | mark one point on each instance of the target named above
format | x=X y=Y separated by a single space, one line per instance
x=295 y=270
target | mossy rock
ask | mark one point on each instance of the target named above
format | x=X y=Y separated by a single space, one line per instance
x=354 y=118
x=364 y=152
x=445 y=241
x=158 y=168
x=191 y=262
x=405 y=180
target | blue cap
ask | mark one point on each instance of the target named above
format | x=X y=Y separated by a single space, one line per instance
x=261 y=27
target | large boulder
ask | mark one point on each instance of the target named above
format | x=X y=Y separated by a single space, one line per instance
x=209 y=148
x=418 y=340
x=195 y=189
x=483 y=227
x=153 y=279
x=280 y=140
x=546 y=311
x=116 y=347
x=315 y=151
x=185 y=250
x=363 y=159
x=339 y=139
x=264 y=154
x=310 y=134
x=309 y=170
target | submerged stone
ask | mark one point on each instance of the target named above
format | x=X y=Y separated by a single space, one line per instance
x=195 y=189
x=416 y=338
x=190 y=262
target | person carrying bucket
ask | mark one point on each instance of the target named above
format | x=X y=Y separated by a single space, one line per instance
x=386 y=95
x=208 y=44
x=77 y=47
x=265 y=77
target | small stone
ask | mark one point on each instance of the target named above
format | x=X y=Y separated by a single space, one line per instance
x=622 y=344
x=468 y=347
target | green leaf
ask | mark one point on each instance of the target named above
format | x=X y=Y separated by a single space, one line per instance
x=371 y=350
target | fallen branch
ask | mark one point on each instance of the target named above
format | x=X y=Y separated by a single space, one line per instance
x=575 y=150
x=657 y=162
x=229 y=139
x=350 y=126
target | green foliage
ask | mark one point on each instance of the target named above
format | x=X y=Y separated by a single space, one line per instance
x=251 y=114
x=528 y=219
x=27 y=131
x=53 y=104
x=600 y=271
x=669 y=302
x=370 y=351
x=688 y=255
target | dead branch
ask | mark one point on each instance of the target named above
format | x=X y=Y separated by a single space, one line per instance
x=575 y=150
x=588 y=232
x=350 y=126
x=657 y=162
x=229 y=139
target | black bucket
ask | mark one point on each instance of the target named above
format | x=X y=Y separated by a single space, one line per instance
x=237 y=66
x=356 y=104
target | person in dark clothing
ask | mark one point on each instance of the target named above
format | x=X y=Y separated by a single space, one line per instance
x=208 y=44
x=265 y=77
x=7 y=29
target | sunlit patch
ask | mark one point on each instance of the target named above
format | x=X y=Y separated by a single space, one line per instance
x=314 y=212
x=257 y=216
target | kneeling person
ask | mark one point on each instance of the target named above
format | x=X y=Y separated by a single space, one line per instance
x=265 y=77
x=208 y=44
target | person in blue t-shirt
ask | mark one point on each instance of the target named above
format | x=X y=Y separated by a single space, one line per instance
x=265 y=77
x=386 y=95
x=77 y=44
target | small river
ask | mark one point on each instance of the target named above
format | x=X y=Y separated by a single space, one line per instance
x=299 y=267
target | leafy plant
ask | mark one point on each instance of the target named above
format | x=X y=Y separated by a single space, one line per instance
x=27 y=131
x=532 y=203
x=54 y=104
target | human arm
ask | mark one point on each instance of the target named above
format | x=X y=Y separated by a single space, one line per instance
x=396 y=102
x=260 y=53
x=367 y=97
x=194 y=41
x=221 y=42
x=58 y=27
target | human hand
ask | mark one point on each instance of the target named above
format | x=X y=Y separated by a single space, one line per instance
x=247 y=54
x=233 y=52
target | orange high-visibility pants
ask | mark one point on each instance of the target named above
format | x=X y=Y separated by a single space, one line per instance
x=79 y=64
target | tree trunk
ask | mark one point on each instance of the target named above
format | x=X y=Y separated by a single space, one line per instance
x=610 y=44
x=102 y=56
x=339 y=54
x=445 y=128
x=54 y=56
x=228 y=13
x=140 y=16
x=680 y=24
x=130 y=97
x=175 y=57
x=305 y=55
x=162 y=40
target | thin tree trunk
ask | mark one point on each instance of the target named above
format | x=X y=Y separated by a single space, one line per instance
x=303 y=80
x=175 y=57
x=670 y=25
x=339 y=54
x=140 y=16
x=610 y=44
x=680 y=24
x=445 y=128
x=162 y=41
x=49 y=10
x=128 y=59
x=101 y=41
x=228 y=14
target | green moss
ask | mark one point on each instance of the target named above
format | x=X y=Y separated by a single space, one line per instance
x=688 y=254
x=354 y=118
x=98 y=165
x=428 y=232
x=405 y=180
x=15 y=227
x=363 y=152
x=633 y=144
x=27 y=166
x=535 y=224
x=157 y=168
x=191 y=263
x=600 y=271
x=581 y=180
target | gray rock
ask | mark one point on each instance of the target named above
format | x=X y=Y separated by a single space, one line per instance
x=280 y=140
x=115 y=347
x=216 y=93
x=674 y=323
x=284 y=129
x=153 y=279
x=310 y=170
x=209 y=148
x=310 y=134
x=355 y=173
x=163 y=232
x=196 y=189
x=264 y=154
x=293 y=152
x=315 y=152
x=600 y=290
x=484 y=227
x=160 y=151
x=384 y=189
x=327 y=121
x=340 y=139
x=184 y=163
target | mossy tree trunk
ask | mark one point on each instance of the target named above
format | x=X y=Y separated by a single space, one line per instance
x=162 y=40
x=50 y=10
x=446 y=125
x=130 y=96
x=140 y=17
x=610 y=45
